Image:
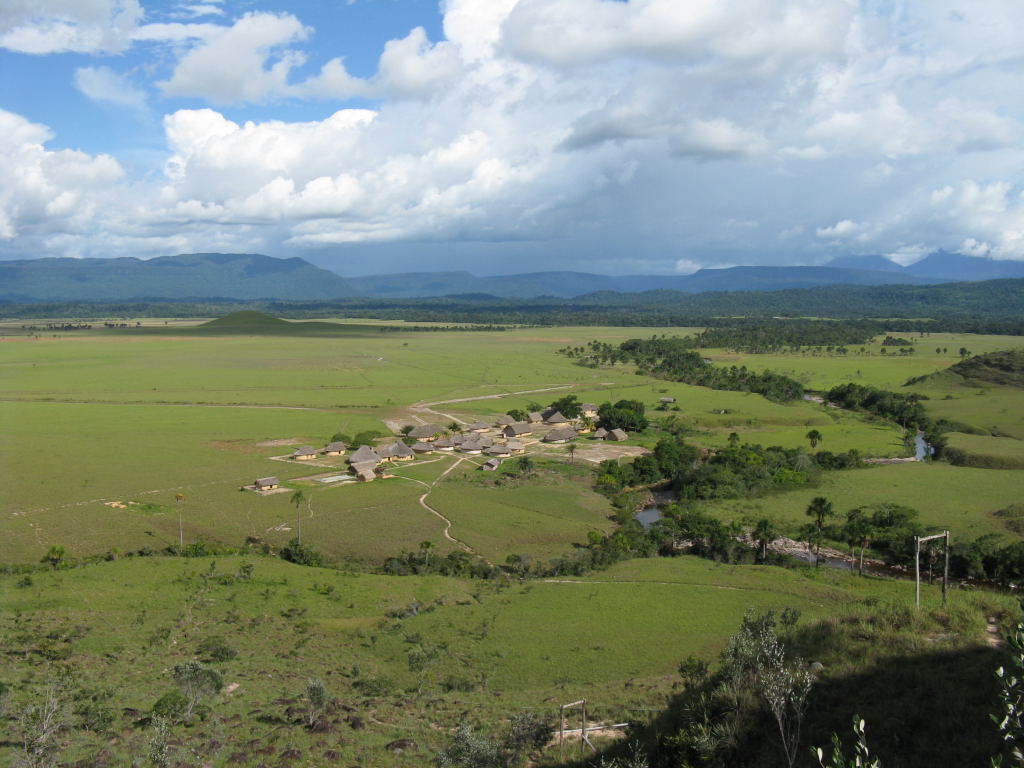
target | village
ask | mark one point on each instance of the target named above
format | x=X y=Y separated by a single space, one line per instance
x=497 y=441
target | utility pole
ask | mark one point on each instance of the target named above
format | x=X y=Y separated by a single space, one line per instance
x=180 y=497
x=918 y=540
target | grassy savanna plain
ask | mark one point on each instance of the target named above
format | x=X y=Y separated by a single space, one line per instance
x=95 y=417
x=491 y=648
x=95 y=420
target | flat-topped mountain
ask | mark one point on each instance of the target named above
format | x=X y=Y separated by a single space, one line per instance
x=185 y=276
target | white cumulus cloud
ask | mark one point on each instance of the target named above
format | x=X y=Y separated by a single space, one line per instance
x=77 y=26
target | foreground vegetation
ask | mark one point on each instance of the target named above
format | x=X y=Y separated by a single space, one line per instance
x=409 y=658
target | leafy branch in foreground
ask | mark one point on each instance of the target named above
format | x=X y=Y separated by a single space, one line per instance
x=1011 y=694
x=861 y=758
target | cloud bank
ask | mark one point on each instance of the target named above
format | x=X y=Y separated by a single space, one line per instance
x=648 y=135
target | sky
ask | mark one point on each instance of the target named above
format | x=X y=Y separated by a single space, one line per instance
x=501 y=136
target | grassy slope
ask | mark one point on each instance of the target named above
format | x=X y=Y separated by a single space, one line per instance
x=616 y=638
x=961 y=499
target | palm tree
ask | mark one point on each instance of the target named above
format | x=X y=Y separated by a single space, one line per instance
x=297 y=498
x=571 y=448
x=764 y=533
x=54 y=556
x=820 y=509
x=859 y=532
x=815 y=437
x=425 y=548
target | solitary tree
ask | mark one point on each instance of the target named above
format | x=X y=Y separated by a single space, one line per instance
x=54 y=556
x=820 y=509
x=297 y=498
x=39 y=726
x=196 y=681
x=765 y=533
x=407 y=429
x=425 y=547
x=814 y=437
x=571 y=448
x=734 y=439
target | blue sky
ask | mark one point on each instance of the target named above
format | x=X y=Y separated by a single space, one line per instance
x=496 y=136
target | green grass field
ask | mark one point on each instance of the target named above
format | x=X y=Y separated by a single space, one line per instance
x=615 y=637
x=962 y=499
x=888 y=371
x=99 y=417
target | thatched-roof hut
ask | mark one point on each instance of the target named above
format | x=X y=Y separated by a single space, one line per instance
x=561 y=435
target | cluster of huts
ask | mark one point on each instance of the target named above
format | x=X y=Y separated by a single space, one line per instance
x=367 y=462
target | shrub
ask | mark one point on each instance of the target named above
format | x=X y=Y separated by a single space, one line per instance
x=170 y=706
x=216 y=649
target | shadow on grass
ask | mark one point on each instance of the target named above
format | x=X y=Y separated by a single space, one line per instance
x=922 y=711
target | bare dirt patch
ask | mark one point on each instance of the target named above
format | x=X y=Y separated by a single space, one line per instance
x=276 y=443
x=598 y=452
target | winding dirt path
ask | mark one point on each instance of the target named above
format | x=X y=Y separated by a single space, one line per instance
x=447 y=523
x=427 y=407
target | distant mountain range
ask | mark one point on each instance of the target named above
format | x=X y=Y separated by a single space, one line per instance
x=254 y=276
x=186 y=276
x=851 y=270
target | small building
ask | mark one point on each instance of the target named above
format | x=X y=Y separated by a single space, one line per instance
x=443 y=444
x=504 y=421
x=518 y=429
x=471 y=446
x=485 y=440
x=458 y=439
x=616 y=435
x=334 y=449
x=667 y=400
x=363 y=455
x=535 y=417
x=490 y=465
x=425 y=432
x=363 y=470
x=555 y=418
x=305 y=453
x=266 y=483
x=478 y=426
x=516 y=446
x=560 y=435
x=601 y=433
x=588 y=411
x=498 y=450
x=422 y=448
x=397 y=451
